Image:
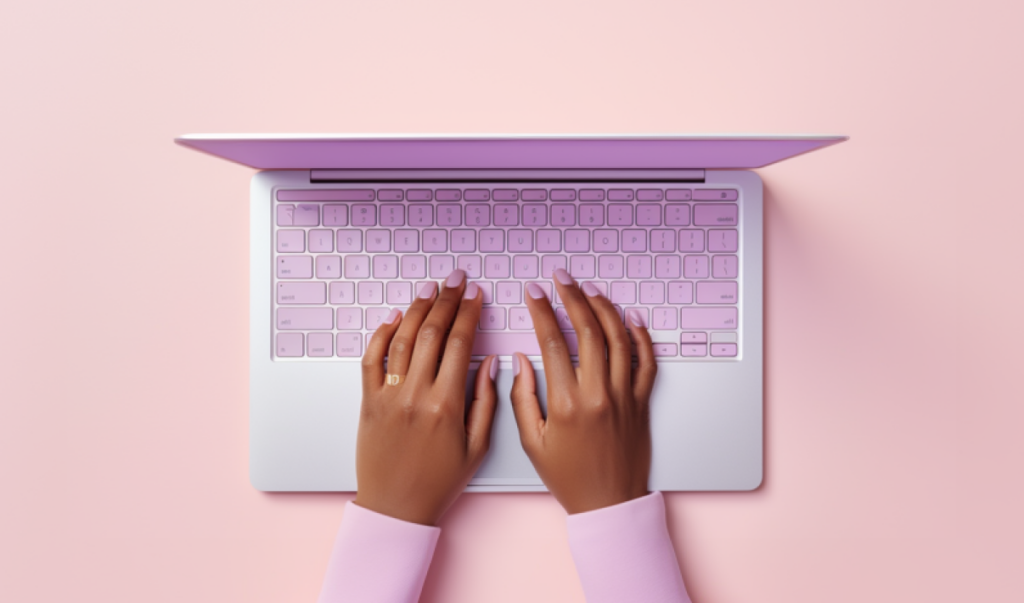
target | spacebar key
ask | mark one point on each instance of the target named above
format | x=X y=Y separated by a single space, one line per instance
x=503 y=344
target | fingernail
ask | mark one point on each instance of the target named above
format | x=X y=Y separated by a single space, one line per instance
x=471 y=291
x=591 y=290
x=535 y=291
x=562 y=276
x=636 y=318
x=515 y=365
x=427 y=290
x=494 y=367
x=455 y=278
x=395 y=313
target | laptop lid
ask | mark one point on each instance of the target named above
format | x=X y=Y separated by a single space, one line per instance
x=503 y=152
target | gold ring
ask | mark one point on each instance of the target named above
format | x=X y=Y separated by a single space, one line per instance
x=390 y=379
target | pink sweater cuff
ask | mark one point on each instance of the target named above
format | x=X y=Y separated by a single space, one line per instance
x=624 y=553
x=378 y=558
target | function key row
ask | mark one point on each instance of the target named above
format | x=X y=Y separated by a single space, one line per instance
x=508 y=194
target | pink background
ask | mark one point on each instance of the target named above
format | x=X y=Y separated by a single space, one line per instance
x=893 y=305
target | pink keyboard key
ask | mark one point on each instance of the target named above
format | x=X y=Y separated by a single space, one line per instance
x=715 y=194
x=441 y=266
x=717 y=292
x=489 y=342
x=649 y=194
x=667 y=266
x=335 y=215
x=478 y=214
x=680 y=292
x=449 y=214
x=652 y=292
x=486 y=292
x=506 y=194
x=370 y=293
x=563 y=215
x=497 y=266
x=435 y=240
x=678 y=194
x=375 y=317
x=352 y=194
x=634 y=240
x=723 y=349
x=378 y=240
x=638 y=266
x=508 y=292
x=291 y=241
x=295 y=267
x=582 y=266
x=591 y=214
x=321 y=240
x=592 y=194
x=623 y=292
x=492 y=240
x=695 y=266
x=520 y=240
x=301 y=293
x=472 y=265
x=506 y=214
x=321 y=345
x=577 y=241
x=306 y=215
x=606 y=240
x=399 y=293
x=665 y=349
x=562 y=318
x=693 y=338
x=563 y=194
x=289 y=345
x=725 y=266
x=611 y=266
x=414 y=266
x=620 y=214
x=304 y=319
x=284 y=215
x=419 y=194
x=392 y=214
x=492 y=318
x=549 y=240
x=350 y=345
x=620 y=194
x=648 y=214
x=390 y=194
x=343 y=293
x=707 y=214
x=525 y=266
x=677 y=214
x=535 y=215
x=691 y=240
x=550 y=263
x=478 y=194
x=709 y=318
x=350 y=241
x=545 y=286
x=519 y=319
x=357 y=266
x=694 y=350
x=421 y=215
x=641 y=313
x=535 y=194
x=350 y=319
x=407 y=241
x=463 y=241
x=448 y=194
x=662 y=240
x=723 y=240
x=665 y=319
x=363 y=215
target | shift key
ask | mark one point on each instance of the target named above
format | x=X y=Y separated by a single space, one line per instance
x=709 y=318
x=305 y=318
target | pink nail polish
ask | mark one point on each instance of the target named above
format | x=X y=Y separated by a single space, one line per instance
x=494 y=367
x=635 y=318
x=515 y=365
x=562 y=276
x=455 y=278
x=534 y=290
x=591 y=290
x=471 y=291
x=393 y=316
x=427 y=291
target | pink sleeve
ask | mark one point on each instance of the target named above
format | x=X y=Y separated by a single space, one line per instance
x=624 y=553
x=378 y=558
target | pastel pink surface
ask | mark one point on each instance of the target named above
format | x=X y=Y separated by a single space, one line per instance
x=892 y=400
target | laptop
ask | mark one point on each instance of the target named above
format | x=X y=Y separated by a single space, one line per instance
x=346 y=227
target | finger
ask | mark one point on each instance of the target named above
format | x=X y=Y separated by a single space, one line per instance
x=525 y=404
x=430 y=338
x=553 y=348
x=593 y=359
x=373 y=359
x=481 y=413
x=459 y=346
x=646 y=369
x=620 y=353
x=400 y=351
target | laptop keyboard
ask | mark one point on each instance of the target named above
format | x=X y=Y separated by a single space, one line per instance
x=344 y=257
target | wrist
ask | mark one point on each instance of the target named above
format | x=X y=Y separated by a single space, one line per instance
x=395 y=511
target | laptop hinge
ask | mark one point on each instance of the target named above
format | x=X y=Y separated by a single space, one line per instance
x=476 y=175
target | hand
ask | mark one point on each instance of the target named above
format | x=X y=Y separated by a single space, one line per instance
x=594 y=448
x=416 y=448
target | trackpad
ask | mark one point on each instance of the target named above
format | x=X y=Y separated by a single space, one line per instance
x=506 y=464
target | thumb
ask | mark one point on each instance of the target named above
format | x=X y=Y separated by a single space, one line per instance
x=525 y=404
